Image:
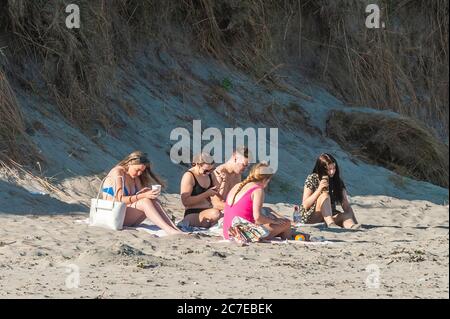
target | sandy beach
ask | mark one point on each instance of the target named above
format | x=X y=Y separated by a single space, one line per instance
x=291 y=80
x=401 y=252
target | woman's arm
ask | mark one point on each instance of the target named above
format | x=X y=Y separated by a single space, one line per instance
x=345 y=202
x=186 y=187
x=310 y=197
x=118 y=175
x=346 y=205
x=275 y=214
x=218 y=201
x=260 y=218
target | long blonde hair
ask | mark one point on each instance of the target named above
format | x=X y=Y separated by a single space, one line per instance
x=147 y=177
x=258 y=173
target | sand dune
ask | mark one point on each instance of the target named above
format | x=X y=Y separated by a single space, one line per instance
x=41 y=244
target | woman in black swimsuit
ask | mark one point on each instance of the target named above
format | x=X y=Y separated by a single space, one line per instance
x=197 y=188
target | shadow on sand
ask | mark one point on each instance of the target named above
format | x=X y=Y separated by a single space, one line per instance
x=19 y=201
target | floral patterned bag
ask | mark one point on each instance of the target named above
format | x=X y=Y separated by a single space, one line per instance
x=244 y=232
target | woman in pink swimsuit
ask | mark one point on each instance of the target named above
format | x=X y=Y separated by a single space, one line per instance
x=246 y=199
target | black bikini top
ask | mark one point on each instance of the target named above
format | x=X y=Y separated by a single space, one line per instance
x=198 y=189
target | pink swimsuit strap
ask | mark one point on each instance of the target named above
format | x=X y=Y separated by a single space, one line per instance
x=249 y=191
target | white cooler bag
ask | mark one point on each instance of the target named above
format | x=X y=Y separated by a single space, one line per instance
x=106 y=213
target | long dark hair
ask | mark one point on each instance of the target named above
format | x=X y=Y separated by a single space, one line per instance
x=337 y=186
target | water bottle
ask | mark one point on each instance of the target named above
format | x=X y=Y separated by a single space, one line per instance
x=296 y=214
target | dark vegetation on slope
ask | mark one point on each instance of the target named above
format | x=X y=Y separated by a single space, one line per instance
x=403 y=68
x=400 y=144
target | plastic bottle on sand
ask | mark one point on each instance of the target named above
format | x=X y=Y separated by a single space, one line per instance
x=296 y=214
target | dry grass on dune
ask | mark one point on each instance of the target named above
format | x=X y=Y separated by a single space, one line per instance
x=75 y=66
x=14 y=142
x=400 y=144
x=403 y=68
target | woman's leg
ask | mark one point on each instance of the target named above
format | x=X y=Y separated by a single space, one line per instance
x=344 y=219
x=315 y=218
x=355 y=221
x=205 y=218
x=163 y=214
x=275 y=230
x=323 y=211
x=148 y=207
x=269 y=212
x=133 y=217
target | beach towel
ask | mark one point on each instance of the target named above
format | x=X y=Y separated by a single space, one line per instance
x=215 y=230
x=150 y=228
x=315 y=241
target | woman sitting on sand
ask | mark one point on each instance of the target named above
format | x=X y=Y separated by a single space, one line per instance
x=142 y=202
x=323 y=189
x=197 y=188
x=246 y=199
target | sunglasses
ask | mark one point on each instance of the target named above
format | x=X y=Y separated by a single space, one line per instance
x=209 y=171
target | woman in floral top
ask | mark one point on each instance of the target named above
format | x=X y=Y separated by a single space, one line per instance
x=322 y=191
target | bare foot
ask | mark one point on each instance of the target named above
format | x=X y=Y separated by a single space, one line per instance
x=175 y=232
x=355 y=227
x=333 y=226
